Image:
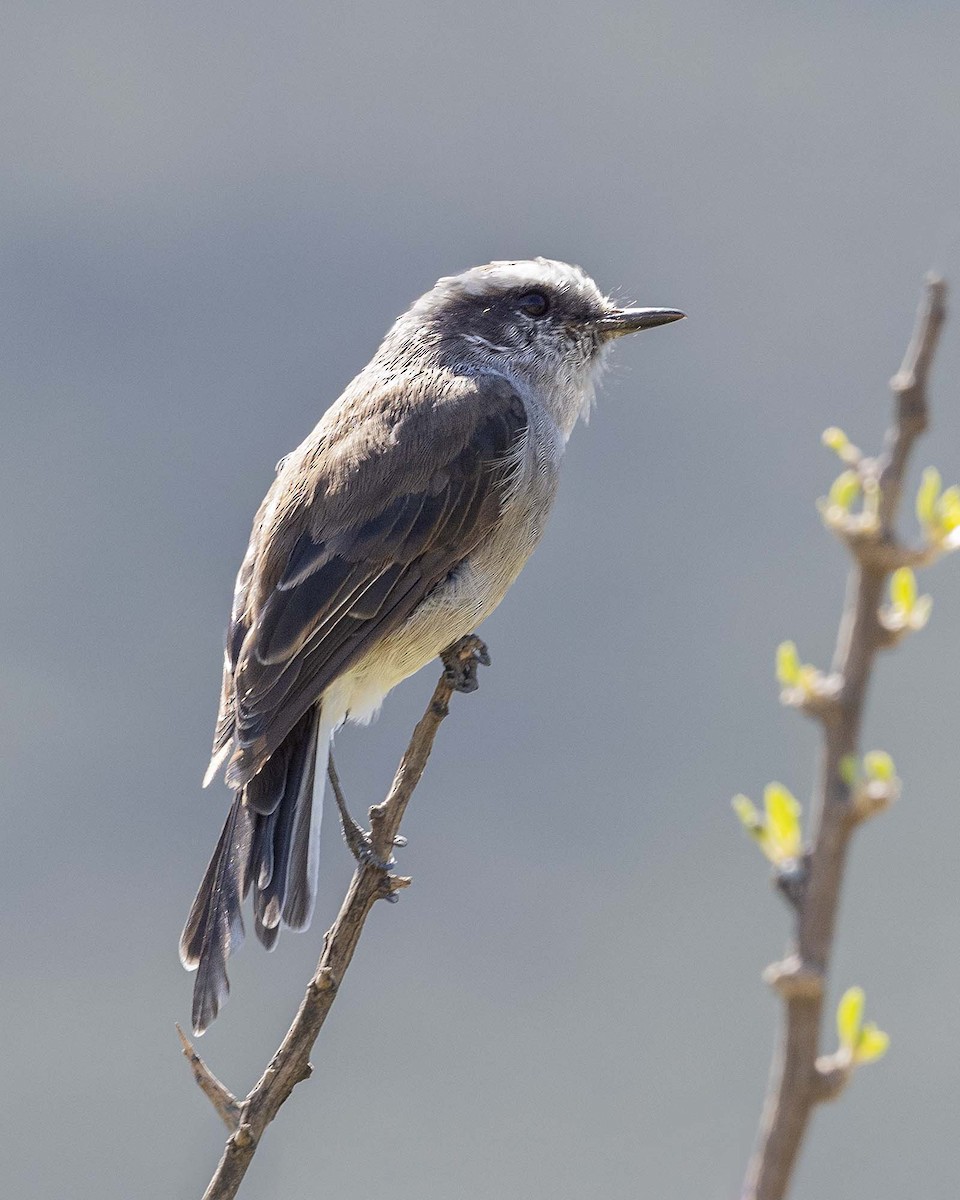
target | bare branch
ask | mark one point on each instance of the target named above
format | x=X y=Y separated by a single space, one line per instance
x=909 y=386
x=799 y=1079
x=290 y=1065
x=222 y=1099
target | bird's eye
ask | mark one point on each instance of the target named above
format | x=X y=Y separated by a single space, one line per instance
x=534 y=304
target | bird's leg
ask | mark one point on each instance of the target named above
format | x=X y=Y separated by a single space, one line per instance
x=357 y=839
x=460 y=662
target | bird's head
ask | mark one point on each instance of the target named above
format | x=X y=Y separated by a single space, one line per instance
x=541 y=323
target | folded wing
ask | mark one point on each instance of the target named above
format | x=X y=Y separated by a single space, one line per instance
x=357 y=531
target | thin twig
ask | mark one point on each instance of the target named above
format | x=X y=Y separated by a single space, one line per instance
x=797 y=1083
x=291 y=1063
x=222 y=1099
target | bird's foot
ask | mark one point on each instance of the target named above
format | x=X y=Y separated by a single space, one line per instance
x=460 y=662
x=360 y=845
x=359 y=842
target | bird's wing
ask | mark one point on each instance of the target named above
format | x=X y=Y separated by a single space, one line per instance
x=373 y=512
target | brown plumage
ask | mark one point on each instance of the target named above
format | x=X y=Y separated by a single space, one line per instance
x=362 y=526
x=389 y=533
x=359 y=527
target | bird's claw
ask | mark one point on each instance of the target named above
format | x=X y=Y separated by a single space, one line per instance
x=359 y=842
x=461 y=660
x=360 y=845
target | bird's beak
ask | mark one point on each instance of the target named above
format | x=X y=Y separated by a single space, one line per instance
x=631 y=320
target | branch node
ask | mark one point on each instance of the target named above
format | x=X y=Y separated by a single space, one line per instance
x=860 y=532
x=831 y=1074
x=377 y=815
x=890 y=636
x=790 y=879
x=243 y=1139
x=794 y=979
x=873 y=797
x=819 y=698
x=324 y=982
x=872 y=544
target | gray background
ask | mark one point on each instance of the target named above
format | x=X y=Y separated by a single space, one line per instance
x=211 y=213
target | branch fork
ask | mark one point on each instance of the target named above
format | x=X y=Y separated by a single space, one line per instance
x=247 y=1119
x=224 y=1102
x=878 y=553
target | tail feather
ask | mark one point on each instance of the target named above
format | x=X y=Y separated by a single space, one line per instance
x=261 y=852
x=275 y=862
x=301 y=888
x=269 y=845
x=266 y=934
x=303 y=866
x=214 y=927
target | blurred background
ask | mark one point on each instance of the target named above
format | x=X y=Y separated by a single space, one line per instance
x=211 y=213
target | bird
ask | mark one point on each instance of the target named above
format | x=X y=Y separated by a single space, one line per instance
x=391 y=532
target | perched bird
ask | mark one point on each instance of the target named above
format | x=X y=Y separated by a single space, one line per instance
x=388 y=534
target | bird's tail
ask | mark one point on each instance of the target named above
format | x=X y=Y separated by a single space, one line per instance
x=269 y=844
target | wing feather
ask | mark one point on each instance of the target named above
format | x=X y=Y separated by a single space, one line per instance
x=362 y=523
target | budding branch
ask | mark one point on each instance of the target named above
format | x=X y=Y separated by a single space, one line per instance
x=799 y=1079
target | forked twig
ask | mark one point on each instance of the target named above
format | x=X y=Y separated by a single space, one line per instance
x=222 y=1099
x=248 y=1118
